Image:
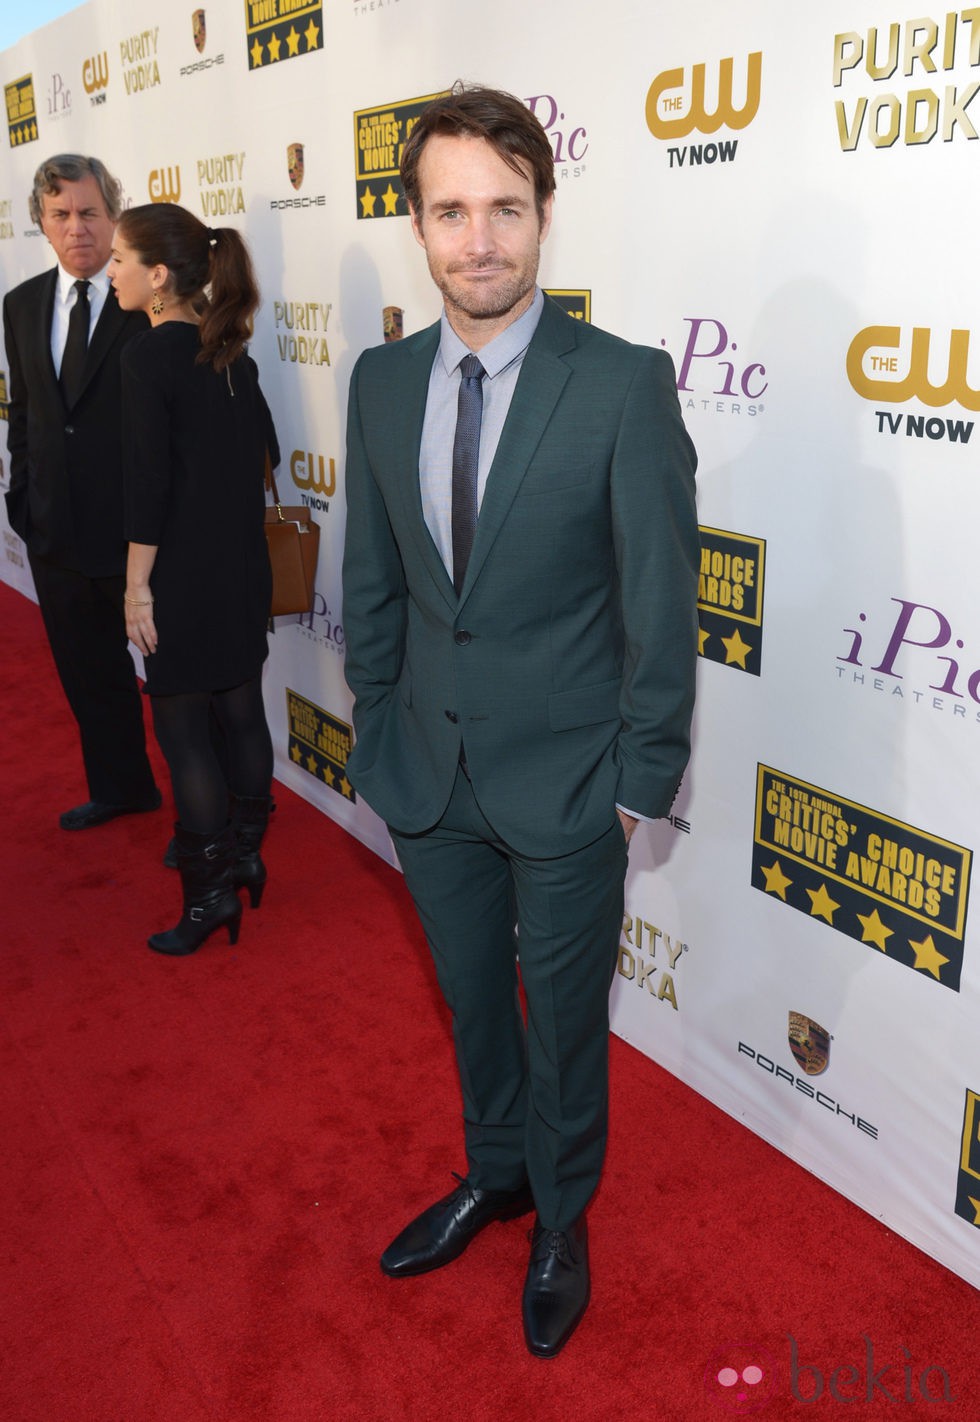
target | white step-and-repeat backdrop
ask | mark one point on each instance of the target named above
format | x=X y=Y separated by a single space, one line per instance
x=785 y=198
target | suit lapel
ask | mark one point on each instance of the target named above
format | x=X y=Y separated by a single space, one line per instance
x=45 y=311
x=540 y=384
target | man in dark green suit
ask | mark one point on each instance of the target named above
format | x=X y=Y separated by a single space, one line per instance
x=523 y=689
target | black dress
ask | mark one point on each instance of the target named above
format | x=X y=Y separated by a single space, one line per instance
x=194 y=444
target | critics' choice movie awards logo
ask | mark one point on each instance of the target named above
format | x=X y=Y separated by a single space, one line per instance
x=573 y=303
x=648 y=958
x=320 y=744
x=199 y=35
x=899 y=890
x=809 y=1049
x=918 y=81
x=21 y=111
x=889 y=366
x=720 y=98
x=731 y=585
x=281 y=29
x=95 y=77
x=138 y=57
x=968 y=1178
x=379 y=137
x=913 y=636
x=301 y=331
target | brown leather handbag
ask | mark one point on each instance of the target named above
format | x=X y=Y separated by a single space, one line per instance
x=294 y=545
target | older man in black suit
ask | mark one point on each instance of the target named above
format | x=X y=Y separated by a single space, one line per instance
x=64 y=332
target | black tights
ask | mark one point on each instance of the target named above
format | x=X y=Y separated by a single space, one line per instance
x=187 y=727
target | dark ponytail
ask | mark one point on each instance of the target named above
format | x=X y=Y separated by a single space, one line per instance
x=210 y=269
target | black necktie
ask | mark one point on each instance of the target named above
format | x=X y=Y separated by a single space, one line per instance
x=466 y=461
x=76 y=346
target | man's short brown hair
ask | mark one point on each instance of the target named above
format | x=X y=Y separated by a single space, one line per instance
x=502 y=120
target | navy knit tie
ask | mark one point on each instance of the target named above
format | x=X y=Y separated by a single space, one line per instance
x=76 y=346
x=466 y=460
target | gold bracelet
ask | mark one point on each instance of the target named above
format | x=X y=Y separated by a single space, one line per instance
x=135 y=601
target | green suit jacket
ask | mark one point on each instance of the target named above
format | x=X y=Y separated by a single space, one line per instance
x=567 y=663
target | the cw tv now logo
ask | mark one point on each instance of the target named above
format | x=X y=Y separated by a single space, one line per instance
x=887 y=366
x=95 y=73
x=674 y=111
x=163 y=184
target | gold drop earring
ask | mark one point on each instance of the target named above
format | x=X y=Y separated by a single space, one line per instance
x=156 y=305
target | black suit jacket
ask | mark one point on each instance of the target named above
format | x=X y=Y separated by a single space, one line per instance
x=65 y=498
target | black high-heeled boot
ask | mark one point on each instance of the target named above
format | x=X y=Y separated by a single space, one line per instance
x=205 y=862
x=249 y=820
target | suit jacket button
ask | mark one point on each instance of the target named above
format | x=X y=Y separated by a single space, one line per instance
x=451 y=716
x=69 y=429
x=463 y=638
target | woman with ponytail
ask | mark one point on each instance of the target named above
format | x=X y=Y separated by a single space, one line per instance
x=196 y=428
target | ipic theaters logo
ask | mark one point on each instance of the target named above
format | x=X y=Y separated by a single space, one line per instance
x=908 y=56
x=315 y=476
x=379 y=137
x=887 y=365
x=913 y=636
x=282 y=29
x=648 y=958
x=301 y=331
x=320 y=744
x=714 y=374
x=569 y=140
x=138 y=56
x=900 y=890
x=21 y=111
x=731 y=587
x=95 y=78
x=675 y=108
x=220 y=181
x=573 y=303
x=809 y=1048
x=199 y=35
x=968 y=1177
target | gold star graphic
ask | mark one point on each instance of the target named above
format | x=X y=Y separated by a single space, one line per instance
x=390 y=200
x=928 y=956
x=735 y=649
x=822 y=905
x=346 y=788
x=329 y=777
x=292 y=40
x=312 y=34
x=256 y=55
x=976 y=1206
x=311 y=763
x=874 y=930
x=776 y=880
x=275 y=45
x=295 y=752
x=702 y=639
x=368 y=199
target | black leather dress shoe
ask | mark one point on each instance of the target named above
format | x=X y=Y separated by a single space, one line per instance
x=443 y=1231
x=556 y=1291
x=94 y=812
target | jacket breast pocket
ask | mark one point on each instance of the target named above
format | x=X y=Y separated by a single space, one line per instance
x=554 y=478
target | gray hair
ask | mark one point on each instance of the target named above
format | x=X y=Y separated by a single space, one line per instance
x=71 y=168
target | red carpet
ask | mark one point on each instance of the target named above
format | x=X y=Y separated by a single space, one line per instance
x=202 y=1159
